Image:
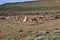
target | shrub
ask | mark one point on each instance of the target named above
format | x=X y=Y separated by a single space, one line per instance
x=42 y=32
x=20 y=30
x=30 y=30
x=58 y=28
x=56 y=17
x=1 y=38
x=10 y=38
x=22 y=35
x=57 y=31
x=48 y=38
x=30 y=38
x=55 y=37
x=40 y=38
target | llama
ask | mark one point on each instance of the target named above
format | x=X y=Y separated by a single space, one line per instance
x=2 y=17
x=34 y=20
x=17 y=17
x=25 y=19
x=7 y=18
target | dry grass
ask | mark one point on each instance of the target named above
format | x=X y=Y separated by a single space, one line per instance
x=12 y=27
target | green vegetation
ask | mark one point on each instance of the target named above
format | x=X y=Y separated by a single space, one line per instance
x=30 y=38
x=42 y=32
x=41 y=37
x=29 y=31
x=53 y=37
x=1 y=38
x=20 y=30
x=22 y=35
x=9 y=38
x=56 y=17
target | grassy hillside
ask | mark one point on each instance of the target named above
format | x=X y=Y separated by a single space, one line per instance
x=30 y=6
x=41 y=6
